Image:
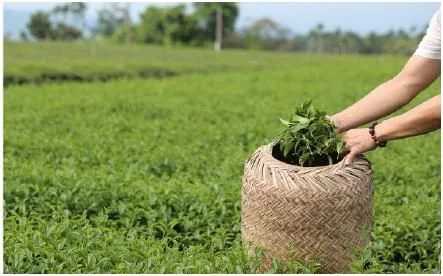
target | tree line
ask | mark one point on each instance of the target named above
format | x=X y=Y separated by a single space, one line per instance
x=196 y=26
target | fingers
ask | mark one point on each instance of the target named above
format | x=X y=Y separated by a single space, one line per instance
x=357 y=141
x=350 y=144
x=350 y=157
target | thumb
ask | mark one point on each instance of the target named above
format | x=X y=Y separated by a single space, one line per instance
x=350 y=157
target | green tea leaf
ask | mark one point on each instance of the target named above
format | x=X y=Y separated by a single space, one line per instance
x=339 y=147
x=288 y=147
x=286 y=123
x=300 y=119
x=298 y=127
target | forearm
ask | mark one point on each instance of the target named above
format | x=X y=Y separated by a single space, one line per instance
x=415 y=76
x=383 y=100
x=422 y=119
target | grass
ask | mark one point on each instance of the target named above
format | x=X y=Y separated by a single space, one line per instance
x=144 y=175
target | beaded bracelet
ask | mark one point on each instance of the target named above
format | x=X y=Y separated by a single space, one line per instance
x=374 y=137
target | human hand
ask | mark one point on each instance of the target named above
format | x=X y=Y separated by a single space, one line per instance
x=357 y=141
x=336 y=122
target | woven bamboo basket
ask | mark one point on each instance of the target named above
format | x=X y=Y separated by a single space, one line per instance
x=315 y=214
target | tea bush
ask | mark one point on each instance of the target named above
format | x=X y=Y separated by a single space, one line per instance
x=139 y=176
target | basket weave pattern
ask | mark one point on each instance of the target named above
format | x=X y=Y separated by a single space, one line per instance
x=317 y=214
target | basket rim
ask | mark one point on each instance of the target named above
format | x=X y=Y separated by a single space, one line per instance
x=339 y=165
x=359 y=168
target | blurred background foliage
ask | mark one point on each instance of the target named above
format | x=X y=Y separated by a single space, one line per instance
x=177 y=25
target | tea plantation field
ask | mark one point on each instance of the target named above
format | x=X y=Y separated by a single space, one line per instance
x=55 y=62
x=135 y=175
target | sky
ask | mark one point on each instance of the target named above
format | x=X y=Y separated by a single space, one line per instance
x=298 y=17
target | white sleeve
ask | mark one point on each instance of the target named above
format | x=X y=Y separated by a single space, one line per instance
x=429 y=46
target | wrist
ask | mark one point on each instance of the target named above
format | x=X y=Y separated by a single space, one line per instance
x=338 y=122
x=376 y=137
x=380 y=134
